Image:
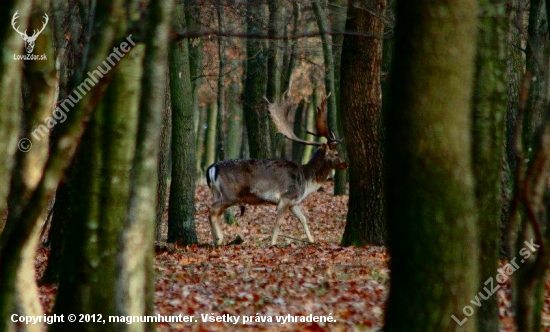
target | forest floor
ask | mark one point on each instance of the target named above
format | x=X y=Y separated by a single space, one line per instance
x=257 y=280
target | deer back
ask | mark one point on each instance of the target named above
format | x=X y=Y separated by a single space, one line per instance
x=256 y=181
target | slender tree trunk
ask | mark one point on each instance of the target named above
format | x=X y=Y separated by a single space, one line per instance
x=330 y=89
x=362 y=118
x=538 y=64
x=163 y=159
x=38 y=98
x=210 y=136
x=431 y=210
x=221 y=119
x=135 y=280
x=299 y=129
x=309 y=123
x=289 y=64
x=488 y=139
x=10 y=92
x=273 y=92
x=337 y=15
x=234 y=126
x=181 y=212
x=200 y=143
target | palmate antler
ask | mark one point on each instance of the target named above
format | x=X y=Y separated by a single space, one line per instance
x=278 y=112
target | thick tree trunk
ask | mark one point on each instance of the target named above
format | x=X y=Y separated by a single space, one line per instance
x=181 y=218
x=515 y=62
x=488 y=144
x=430 y=189
x=362 y=118
x=61 y=152
x=92 y=243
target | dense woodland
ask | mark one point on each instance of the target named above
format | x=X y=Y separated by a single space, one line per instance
x=431 y=120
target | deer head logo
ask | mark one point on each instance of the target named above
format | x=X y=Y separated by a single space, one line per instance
x=29 y=40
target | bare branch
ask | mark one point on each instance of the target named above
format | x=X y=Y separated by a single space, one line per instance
x=237 y=34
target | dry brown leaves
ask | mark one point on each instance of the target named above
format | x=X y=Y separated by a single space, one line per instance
x=296 y=278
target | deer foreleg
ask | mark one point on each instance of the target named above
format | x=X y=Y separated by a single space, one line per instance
x=281 y=209
x=298 y=213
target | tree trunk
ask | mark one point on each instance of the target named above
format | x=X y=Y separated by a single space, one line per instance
x=199 y=141
x=332 y=109
x=181 y=212
x=538 y=64
x=430 y=189
x=254 y=106
x=10 y=92
x=135 y=283
x=515 y=71
x=362 y=119
x=273 y=92
x=210 y=135
x=163 y=159
x=221 y=119
x=290 y=58
x=309 y=123
x=489 y=114
x=234 y=126
x=61 y=152
x=299 y=129
x=92 y=243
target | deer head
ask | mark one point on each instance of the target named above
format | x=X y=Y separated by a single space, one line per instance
x=29 y=40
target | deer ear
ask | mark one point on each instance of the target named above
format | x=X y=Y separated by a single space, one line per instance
x=325 y=147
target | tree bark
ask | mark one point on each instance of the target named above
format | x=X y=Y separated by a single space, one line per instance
x=254 y=106
x=430 y=189
x=330 y=89
x=488 y=143
x=61 y=153
x=135 y=259
x=362 y=118
x=87 y=280
x=221 y=119
x=181 y=212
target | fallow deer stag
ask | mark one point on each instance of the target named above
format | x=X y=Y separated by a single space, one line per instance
x=275 y=181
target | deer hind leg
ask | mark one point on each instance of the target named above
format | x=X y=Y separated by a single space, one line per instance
x=281 y=209
x=216 y=210
x=298 y=213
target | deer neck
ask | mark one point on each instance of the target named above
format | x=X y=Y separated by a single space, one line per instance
x=317 y=169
